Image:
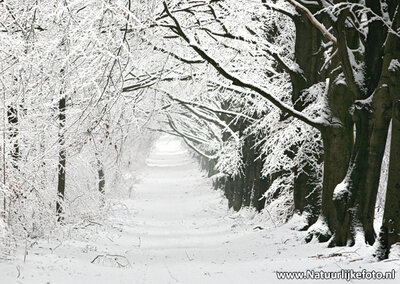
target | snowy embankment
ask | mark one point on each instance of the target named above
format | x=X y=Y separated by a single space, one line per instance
x=176 y=229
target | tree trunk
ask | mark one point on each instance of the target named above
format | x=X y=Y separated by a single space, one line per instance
x=356 y=196
x=12 y=117
x=310 y=59
x=379 y=124
x=61 y=159
x=249 y=176
x=368 y=186
x=390 y=229
x=228 y=190
x=346 y=197
x=101 y=176
x=238 y=193
x=260 y=186
x=307 y=195
x=337 y=152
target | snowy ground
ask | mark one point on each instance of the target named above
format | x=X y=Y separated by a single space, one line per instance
x=176 y=229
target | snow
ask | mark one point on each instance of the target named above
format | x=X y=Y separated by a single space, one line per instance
x=177 y=229
x=395 y=251
x=2 y=227
x=394 y=65
x=298 y=221
x=341 y=190
x=320 y=227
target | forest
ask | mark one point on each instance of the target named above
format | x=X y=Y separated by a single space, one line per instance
x=288 y=110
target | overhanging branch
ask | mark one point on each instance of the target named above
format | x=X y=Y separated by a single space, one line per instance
x=314 y=21
x=242 y=83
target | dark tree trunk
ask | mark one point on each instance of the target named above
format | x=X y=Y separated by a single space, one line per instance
x=337 y=151
x=248 y=188
x=238 y=193
x=249 y=157
x=308 y=56
x=228 y=189
x=307 y=194
x=62 y=158
x=248 y=177
x=382 y=109
x=101 y=176
x=310 y=59
x=346 y=196
x=260 y=190
x=102 y=181
x=356 y=198
x=12 y=117
x=260 y=185
x=338 y=142
x=372 y=175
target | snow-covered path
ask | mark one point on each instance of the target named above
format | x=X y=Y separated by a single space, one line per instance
x=176 y=229
x=179 y=223
x=182 y=228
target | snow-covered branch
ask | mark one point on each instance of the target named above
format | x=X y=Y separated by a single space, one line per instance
x=241 y=82
x=211 y=109
x=314 y=21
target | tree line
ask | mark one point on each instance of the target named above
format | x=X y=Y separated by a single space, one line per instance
x=352 y=50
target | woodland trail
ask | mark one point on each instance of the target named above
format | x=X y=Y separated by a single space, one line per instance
x=176 y=229
x=183 y=225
